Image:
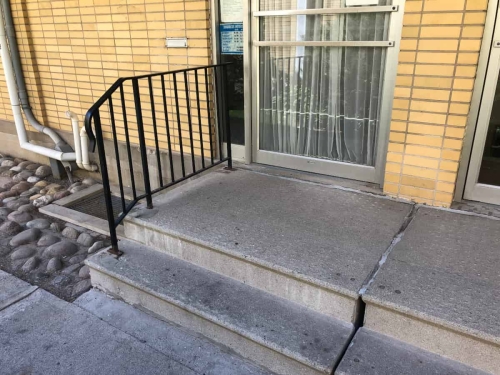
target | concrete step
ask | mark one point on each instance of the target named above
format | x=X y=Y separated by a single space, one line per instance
x=280 y=335
x=311 y=244
x=439 y=288
x=371 y=353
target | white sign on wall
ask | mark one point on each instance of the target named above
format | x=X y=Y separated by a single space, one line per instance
x=350 y=3
x=231 y=11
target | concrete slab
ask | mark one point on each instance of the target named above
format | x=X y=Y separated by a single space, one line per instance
x=371 y=353
x=45 y=335
x=181 y=345
x=321 y=234
x=276 y=333
x=13 y=289
x=439 y=288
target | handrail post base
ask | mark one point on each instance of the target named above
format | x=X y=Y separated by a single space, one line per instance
x=113 y=250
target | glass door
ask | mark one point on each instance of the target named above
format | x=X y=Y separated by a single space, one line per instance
x=323 y=84
x=483 y=178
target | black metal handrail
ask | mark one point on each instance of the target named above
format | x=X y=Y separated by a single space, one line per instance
x=215 y=106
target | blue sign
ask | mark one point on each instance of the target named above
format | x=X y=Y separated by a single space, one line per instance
x=231 y=38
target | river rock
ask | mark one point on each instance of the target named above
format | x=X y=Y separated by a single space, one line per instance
x=77 y=259
x=8 y=173
x=27 y=193
x=55 y=264
x=35 y=197
x=39 y=223
x=6 y=183
x=89 y=181
x=7 y=194
x=21 y=187
x=20 y=217
x=71 y=269
x=32 y=167
x=4 y=212
x=25 y=237
x=77 y=188
x=33 y=179
x=96 y=246
x=43 y=191
x=18 y=160
x=10 y=228
x=24 y=164
x=43 y=171
x=82 y=287
x=14 y=205
x=41 y=183
x=54 y=189
x=31 y=264
x=84 y=272
x=9 y=199
x=85 y=239
x=61 y=249
x=47 y=240
x=8 y=163
x=16 y=169
x=28 y=207
x=70 y=233
x=61 y=194
x=43 y=201
x=56 y=227
x=22 y=252
x=22 y=176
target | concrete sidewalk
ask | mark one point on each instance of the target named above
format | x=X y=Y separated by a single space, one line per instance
x=42 y=334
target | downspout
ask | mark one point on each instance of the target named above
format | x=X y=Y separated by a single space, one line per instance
x=13 y=70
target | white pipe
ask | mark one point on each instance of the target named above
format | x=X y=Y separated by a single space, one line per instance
x=76 y=137
x=16 y=108
x=85 y=151
x=81 y=144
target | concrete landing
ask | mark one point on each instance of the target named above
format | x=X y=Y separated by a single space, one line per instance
x=319 y=235
x=280 y=335
x=439 y=289
x=373 y=354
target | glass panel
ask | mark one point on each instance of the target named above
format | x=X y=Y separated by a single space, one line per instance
x=490 y=166
x=306 y=4
x=325 y=27
x=236 y=100
x=321 y=102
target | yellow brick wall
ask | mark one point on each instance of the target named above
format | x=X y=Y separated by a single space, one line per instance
x=72 y=51
x=436 y=71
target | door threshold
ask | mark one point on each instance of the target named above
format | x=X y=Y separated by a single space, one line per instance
x=365 y=187
x=480 y=208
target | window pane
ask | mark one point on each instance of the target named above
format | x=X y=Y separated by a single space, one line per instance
x=321 y=102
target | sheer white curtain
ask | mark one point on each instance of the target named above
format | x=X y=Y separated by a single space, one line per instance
x=321 y=102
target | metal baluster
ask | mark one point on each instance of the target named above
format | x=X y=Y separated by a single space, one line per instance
x=142 y=142
x=155 y=131
x=209 y=117
x=225 y=95
x=218 y=101
x=188 y=104
x=105 y=185
x=199 y=117
x=127 y=140
x=179 y=124
x=168 y=127
x=117 y=152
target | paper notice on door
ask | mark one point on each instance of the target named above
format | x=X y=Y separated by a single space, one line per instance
x=231 y=11
x=231 y=38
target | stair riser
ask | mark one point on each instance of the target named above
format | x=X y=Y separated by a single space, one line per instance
x=435 y=338
x=315 y=297
x=247 y=348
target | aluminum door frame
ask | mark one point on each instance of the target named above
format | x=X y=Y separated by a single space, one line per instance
x=373 y=174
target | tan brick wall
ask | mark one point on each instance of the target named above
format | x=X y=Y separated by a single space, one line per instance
x=72 y=51
x=436 y=71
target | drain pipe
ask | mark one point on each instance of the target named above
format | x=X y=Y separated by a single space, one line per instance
x=13 y=70
x=81 y=144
